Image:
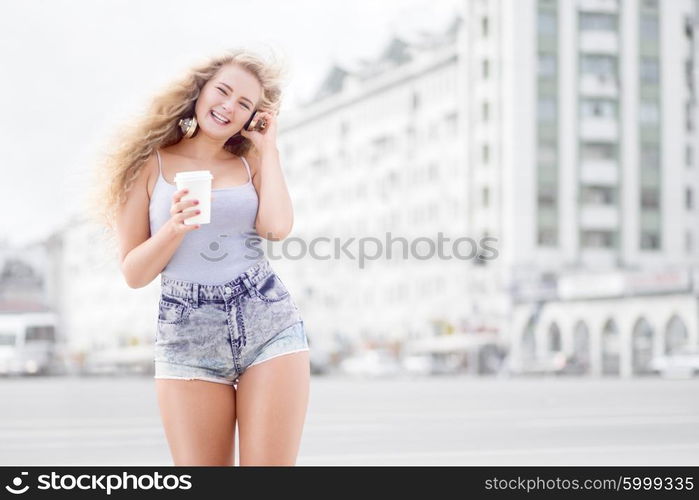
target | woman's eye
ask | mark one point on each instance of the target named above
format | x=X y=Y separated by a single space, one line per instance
x=244 y=105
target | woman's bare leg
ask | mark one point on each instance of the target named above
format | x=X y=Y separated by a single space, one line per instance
x=272 y=400
x=199 y=420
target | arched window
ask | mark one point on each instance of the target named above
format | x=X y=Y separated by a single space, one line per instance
x=641 y=347
x=676 y=335
x=555 y=344
x=610 y=348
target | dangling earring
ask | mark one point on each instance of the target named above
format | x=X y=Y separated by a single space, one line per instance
x=188 y=126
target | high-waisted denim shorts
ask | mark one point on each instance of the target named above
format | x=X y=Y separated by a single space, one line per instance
x=216 y=332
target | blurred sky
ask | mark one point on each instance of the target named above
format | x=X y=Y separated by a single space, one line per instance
x=72 y=70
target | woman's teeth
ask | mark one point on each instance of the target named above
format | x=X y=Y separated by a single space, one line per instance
x=220 y=121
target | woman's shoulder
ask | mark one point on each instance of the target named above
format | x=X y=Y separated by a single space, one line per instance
x=151 y=170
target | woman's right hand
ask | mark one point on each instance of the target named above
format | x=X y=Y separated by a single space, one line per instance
x=178 y=215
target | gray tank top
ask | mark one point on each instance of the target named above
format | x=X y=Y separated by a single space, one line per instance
x=216 y=252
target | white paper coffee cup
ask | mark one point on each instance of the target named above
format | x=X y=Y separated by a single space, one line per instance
x=199 y=184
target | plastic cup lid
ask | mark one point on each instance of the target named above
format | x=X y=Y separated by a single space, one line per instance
x=193 y=175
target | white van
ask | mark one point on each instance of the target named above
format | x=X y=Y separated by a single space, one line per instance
x=27 y=342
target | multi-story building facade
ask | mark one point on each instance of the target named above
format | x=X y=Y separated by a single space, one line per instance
x=606 y=141
x=375 y=156
x=566 y=129
x=96 y=308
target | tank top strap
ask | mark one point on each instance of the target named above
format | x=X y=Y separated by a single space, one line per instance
x=160 y=165
x=247 y=167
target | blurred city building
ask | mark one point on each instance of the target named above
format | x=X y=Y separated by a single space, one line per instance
x=375 y=154
x=567 y=130
x=116 y=315
x=98 y=312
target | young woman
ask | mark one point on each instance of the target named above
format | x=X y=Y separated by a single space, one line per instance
x=230 y=344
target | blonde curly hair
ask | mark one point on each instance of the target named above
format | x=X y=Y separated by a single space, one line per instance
x=158 y=127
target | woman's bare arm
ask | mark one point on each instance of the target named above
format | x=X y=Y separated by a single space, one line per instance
x=142 y=255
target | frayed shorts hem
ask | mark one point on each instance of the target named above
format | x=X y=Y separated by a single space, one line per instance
x=207 y=379
x=277 y=355
x=164 y=369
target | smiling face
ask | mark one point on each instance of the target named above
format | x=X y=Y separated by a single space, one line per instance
x=233 y=93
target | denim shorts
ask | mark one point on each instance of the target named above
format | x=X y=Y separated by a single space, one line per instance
x=216 y=332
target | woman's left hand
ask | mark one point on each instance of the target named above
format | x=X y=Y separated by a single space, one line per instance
x=266 y=138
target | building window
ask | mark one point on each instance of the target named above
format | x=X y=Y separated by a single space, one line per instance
x=648 y=112
x=593 y=21
x=598 y=108
x=602 y=66
x=650 y=70
x=485 y=196
x=486 y=69
x=650 y=156
x=547 y=23
x=546 y=153
x=689 y=155
x=598 y=151
x=547 y=236
x=547 y=109
x=598 y=195
x=555 y=343
x=650 y=198
x=547 y=65
x=689 y=28
x=485 y=111
x=484 y=27
x=650 y=240
x=451 y=123
x=688 y=199
x=649 y=27
x=416 y=101
x=485 y=153
x=689 y=74
x=597 y=239
x=547 y=195
x=688 y=242
x=689 y=117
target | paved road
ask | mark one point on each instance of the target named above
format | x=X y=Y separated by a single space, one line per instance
x=422 y=421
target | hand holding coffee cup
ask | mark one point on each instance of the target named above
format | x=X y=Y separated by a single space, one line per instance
x=198 y=185
x=179 y=215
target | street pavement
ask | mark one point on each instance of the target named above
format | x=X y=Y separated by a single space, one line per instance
x=443 y=420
